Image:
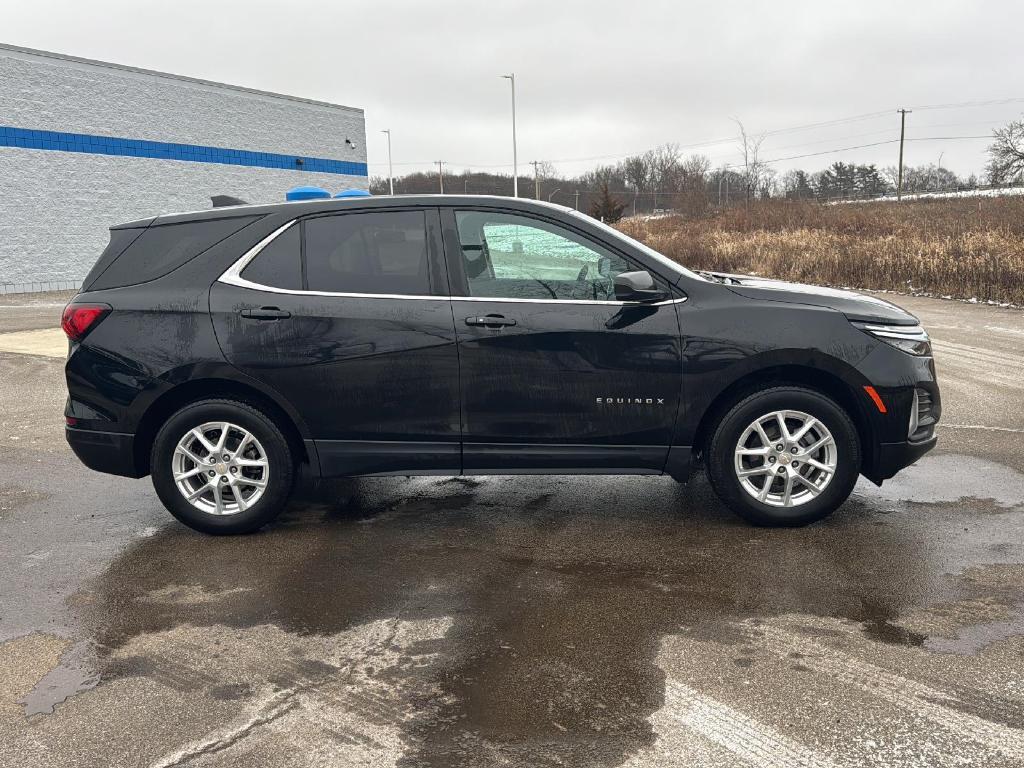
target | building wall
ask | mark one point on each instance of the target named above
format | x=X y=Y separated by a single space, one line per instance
x=56 y=203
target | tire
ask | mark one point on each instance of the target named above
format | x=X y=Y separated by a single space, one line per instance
x=765 y=464
x=244 y=504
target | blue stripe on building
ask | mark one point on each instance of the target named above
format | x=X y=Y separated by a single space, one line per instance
x=26 y=138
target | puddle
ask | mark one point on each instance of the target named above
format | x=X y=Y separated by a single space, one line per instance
x=559 y=592
x=949 y=478
x=972 y=639
x=76 y=672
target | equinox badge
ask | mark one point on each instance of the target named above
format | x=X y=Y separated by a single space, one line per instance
x=630 y=401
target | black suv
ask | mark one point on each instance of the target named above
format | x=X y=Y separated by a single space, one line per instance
x=219 y=351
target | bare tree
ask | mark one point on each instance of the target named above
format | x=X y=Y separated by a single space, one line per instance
x=547 y=170
x=891 y=174
x=695 y=169
x=691 y=185
x=1006 y=154
x=664 y=169
x=637 y=172
x=754 y=170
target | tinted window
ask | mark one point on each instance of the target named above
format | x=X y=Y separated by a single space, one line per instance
x=279 y=264
x=120 y=239
x=515 y=257
x=382 y=252
x=160 y=249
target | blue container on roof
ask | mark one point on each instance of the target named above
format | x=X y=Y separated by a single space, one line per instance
x=353 y=193
x=307 y=193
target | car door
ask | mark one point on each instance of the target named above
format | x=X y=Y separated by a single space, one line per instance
x=556 y=373
x=347 y=317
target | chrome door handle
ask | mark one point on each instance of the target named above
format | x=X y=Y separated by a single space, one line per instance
x=490 y=321
x=265 y=313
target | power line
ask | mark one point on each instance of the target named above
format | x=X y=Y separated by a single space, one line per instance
x=732 y=139
x=971 y=104
x=858 y=146
x=694 y=145
x=785 y=146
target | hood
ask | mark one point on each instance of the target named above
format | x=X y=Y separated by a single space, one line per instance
x=856 y=306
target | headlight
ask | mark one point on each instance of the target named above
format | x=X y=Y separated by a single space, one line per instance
x=911 y=339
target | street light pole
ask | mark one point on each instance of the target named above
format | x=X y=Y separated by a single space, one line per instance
x=440 y=174
x=391 y=173
x=553 y=194
x=515 y=159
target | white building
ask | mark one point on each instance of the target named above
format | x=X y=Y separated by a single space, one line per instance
x=87 y=144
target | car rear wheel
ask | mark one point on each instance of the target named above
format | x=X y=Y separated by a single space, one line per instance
x=222 y=467
x=785 y=456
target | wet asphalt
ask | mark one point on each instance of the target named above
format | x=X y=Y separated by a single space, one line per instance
x=523 y=621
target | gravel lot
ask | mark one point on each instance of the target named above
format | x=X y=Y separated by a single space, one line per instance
x=521 y=621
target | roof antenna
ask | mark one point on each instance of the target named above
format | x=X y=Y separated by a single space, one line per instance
x=220 y=201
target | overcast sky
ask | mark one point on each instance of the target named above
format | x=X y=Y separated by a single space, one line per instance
x=595 y=80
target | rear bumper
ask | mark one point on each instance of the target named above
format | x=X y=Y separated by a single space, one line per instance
x=110 y=452
x=892 y=457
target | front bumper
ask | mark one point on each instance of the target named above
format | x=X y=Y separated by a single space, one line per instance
x=110 y=452
x=892 y=457
x=905 y=430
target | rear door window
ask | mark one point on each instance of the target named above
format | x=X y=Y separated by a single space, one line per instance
x=373 y=252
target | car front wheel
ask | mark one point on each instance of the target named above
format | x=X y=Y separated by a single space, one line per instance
x=785 y=456
x=222 y=467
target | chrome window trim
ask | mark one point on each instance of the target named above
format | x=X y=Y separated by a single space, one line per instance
x=573 y=301
x=233 y=276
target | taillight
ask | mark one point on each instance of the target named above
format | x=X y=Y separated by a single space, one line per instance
x=79 y=319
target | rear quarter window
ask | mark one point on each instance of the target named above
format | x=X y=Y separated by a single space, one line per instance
x=120 y=239
x=279 y=265
x=163 y=248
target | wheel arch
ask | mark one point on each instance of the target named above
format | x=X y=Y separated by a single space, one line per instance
x=195 y=390
x=818 y=379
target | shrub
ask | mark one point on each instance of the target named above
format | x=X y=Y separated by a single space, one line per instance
x=965 y=248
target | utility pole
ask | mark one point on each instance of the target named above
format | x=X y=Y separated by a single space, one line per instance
x=440 y=174
x=515 y=159
x=391 y=174
x=537 y=178
x=903 y=126
x=576 y=205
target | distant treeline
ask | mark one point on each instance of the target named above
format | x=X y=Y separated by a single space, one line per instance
x=665 y=179
x=688 y=184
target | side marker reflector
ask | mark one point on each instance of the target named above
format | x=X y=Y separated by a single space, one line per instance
x=876 y=398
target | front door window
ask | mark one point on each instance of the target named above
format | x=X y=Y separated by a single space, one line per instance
x=517 y=257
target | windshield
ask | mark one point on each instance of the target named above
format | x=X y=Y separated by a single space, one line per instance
x=660 y=258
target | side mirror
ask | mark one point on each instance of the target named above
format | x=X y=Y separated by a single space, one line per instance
x=604 y=266
x=637 y=286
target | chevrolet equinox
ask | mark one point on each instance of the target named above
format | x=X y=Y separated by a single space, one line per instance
x=221 y=351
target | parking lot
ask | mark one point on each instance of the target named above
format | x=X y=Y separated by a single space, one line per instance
x=524 y=621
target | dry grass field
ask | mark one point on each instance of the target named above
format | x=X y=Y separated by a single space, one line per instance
x=964 y=248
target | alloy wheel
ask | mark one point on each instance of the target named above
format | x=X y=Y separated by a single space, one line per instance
x=220 y=468
x=785 y=458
